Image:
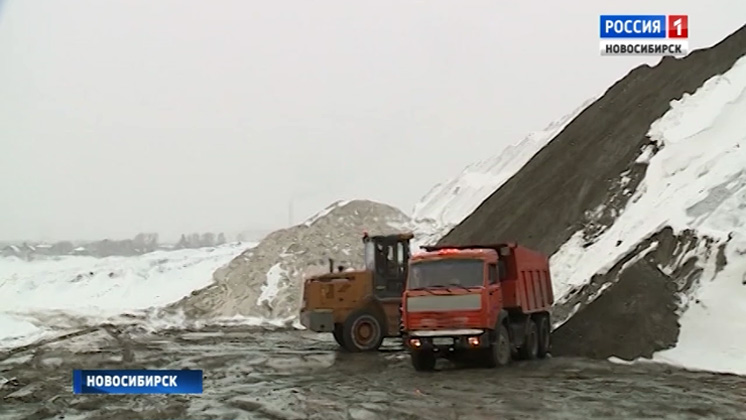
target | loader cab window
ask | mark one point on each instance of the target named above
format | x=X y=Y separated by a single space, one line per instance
x=383 y=258
x=390 y=260
x=391 y=263
x=399 y=253
x=402 y=256
x=369 y=253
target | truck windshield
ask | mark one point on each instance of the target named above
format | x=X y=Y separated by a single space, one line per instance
x=447 y=272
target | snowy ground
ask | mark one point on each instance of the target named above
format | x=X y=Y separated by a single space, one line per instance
x=41 y=297
x=698 y=181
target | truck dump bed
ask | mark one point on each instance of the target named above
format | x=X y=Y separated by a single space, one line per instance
x=524 y=276
x=528 y=283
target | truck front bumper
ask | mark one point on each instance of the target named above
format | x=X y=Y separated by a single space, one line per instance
x=447 y=340
x=318 y=320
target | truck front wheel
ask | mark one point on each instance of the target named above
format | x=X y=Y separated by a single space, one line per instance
x=362 y=331
x=498 y=354
x=422 y=360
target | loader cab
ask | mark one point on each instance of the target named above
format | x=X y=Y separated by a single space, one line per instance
x=387 y=258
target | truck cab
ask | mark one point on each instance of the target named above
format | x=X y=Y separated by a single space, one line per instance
x=484 y=303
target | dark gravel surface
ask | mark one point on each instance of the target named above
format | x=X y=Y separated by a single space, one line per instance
x=258 y=374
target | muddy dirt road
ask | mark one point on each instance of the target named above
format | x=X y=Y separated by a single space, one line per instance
x=258 y=374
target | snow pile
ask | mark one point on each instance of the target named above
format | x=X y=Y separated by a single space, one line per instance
x=39 y=297
x=323 y=213
x=447 y=204
x=696 y=181
x=273 y=285
x=266 y=281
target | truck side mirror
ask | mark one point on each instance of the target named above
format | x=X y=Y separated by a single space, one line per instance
x=502 y=269
x=492 y=269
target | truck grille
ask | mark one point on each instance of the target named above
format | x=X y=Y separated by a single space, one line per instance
x=440 y=320
x=434 y=303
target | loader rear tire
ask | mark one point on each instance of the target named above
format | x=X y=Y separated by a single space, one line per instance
x=362 y=331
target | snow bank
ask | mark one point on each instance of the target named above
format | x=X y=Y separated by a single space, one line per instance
x=697 y=180
x=447 y=204
x=16 y=332
x=81 y=287
x=713 y=334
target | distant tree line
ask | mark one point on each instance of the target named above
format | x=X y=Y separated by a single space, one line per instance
x=197 y=240
x=142 y=243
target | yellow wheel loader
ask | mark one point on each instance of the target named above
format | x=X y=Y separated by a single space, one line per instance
x=360 y=308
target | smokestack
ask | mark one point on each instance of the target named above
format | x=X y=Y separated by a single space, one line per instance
x=331 y=265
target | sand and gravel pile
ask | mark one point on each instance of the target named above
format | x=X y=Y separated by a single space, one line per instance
x=265 y=281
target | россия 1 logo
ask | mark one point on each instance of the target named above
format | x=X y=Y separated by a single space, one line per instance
x=644 y=35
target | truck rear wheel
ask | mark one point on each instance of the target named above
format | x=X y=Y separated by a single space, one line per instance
x=530 y=347
x=545 y=337
x=498 y=354
x=423 y=360
x=362 y=331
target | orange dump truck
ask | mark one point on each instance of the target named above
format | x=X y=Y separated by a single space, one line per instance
x=479 y=303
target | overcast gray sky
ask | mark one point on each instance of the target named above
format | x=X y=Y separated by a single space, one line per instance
x=173 y=116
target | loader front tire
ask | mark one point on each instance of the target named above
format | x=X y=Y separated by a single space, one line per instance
x=362 y=331
x=338 y=336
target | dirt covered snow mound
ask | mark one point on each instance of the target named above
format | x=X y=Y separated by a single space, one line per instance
x=265 y=281
x=637 y=200
x=448 y=203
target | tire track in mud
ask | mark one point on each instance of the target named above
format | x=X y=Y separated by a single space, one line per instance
x=253 y=373
x=9 y=353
